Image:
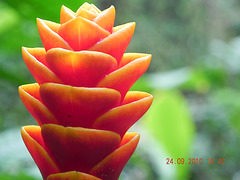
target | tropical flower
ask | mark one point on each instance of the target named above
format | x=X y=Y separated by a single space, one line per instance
x=81 y=100
x=56 y=149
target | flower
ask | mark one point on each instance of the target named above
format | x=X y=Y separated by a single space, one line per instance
x=81 y=100
x=98 y=153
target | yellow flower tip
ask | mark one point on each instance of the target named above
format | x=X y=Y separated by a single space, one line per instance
x=67 y=10
x=66 y=14
x=133 y=24
x=130 y=25
x=149 y=57
x=95 y=8
x=22 y=129
x=30 y=128
x=28 y=89
x=106 y=18
x=39 y=21
x=111 y=8
x=24 y=49
x=64 y=8
x=20 y=90
x=85 y=5
x=132 y=137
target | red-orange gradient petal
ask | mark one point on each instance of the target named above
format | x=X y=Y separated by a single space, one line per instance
x=88 y=7
x=37 y=53
x=72 y=175
x=116 y=43
x=86 y=14
x=121 y=118
x=78 y=149
x=129 y=57
x=123 y=78
x=83 y=68
x=78 y=106
x=66 y=14
x=81 y=33
x=52 y=25
x=33 y=140
x=50 y=39
x=95 y=9
x=30 y=97
x=106 y=19
x=35 y=61
x=111 y=167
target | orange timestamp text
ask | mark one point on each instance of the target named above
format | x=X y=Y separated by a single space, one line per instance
x=195 y=161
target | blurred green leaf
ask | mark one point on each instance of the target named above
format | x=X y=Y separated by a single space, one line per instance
x=169 y=79
x=18 y=21
x=197 y=81
x=10 y=17
x=16 y=177
x=44 y=9
x=170 y=122
x=12 y=77
x=142 y=84
x=229 y=100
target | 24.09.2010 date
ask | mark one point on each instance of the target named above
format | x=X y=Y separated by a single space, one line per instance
x=194 y=161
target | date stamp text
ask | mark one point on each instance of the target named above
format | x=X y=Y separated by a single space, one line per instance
x=195 y=161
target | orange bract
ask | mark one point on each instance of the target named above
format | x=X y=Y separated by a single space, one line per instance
x=79 y=149
x=81 y=100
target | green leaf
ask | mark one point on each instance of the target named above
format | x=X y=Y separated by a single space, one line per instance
x=142 y=84
x=9 y=18
x=170 y=122
x=16 y=177
x=170 y=79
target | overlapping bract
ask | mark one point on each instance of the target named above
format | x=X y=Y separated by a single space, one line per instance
x=81 y=100
x=99 y=153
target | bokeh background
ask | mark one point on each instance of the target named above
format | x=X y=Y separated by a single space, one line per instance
x=194 y=76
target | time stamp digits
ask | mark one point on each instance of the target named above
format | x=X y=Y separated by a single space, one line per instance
x=195 y=161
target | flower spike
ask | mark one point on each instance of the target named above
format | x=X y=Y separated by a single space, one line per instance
x=81 y=99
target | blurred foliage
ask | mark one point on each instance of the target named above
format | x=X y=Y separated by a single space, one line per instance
x=170 y=122
x=194 y=75
x=16 y=177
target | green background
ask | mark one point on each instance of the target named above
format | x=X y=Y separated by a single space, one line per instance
x=194 y=77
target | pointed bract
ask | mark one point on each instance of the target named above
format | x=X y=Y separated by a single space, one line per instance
x=72 y=175
x=33 y=140
x=30 y=97
x=111 y=167
x=81 y=33
x=116 y=43
x=106 y=19
x=78 y=106
x=123 y=78
x=36 y=65
x=66 y=14
x=89 y=15
x=75 y=148
x=121 y=118
x=50 y=39
x=84 y=68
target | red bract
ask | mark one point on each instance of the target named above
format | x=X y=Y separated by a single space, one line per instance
x=81 y=100
x=99 y=153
